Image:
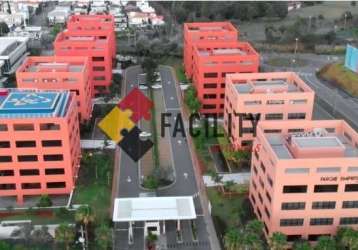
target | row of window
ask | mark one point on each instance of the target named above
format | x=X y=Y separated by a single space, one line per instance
x=275 y=102
x=31 y=158
x=319 y=188
x=318 y=221
x=32 y=144
x=33 y=172
x=31 y=127
x=36 y=185
x=318 y=205
x=319 y=170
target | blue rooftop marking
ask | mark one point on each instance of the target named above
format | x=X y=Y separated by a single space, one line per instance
x=33 y=104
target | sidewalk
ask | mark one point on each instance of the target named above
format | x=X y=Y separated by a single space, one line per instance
x=97 y=144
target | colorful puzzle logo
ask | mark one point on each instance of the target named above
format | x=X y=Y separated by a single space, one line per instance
x=119 y=124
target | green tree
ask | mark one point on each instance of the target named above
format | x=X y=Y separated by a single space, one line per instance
x=44 y=201
x=4 y=29
x=326 y=243
x=84 y=215
x=4 y=245
x=215 y=177
x=191 y=99
x=302 y=245
x=233 y=239
x=151 y=240
x=56 y=29
x=278 y=241
x=150 y=65
x=228 y=185
x=41 y=236
x=65 y=234
x=151 y=182
x=347 y=238
x=103 y=236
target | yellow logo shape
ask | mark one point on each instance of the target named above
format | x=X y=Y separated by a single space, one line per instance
x=114 y=122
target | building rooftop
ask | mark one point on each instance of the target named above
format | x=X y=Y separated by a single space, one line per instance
x=154 y=208
x=232 y=48
x=53 y=64
x=9 y=44
x=209 y=26
x=263 y=83
x=314 y=143
x=16 y=103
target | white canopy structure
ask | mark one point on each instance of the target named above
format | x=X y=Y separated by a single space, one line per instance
x=154 y=209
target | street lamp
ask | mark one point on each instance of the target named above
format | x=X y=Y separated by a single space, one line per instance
x=345 y=20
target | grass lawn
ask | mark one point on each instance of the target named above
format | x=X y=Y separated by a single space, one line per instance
x=93 y=191
x=229 y=212
x=344 y=78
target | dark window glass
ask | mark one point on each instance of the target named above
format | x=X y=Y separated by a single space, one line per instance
x=31 y=185
x=54 y=171
x=56 y=157
x=5 y=158
x=25 y=158
x=291 y=222
x=295 y=189
x=56 y=185
x=321 y=221
x=4 y=144
x=314 y=237
x=351 y=188
x=325 y=188
x=7 y=186
x=211 y=75
x=28 y=172
x=350 y=204
x=293 y=205
x=6 y=172
x=323 y=205
x=52 y=143
x=293 y=237
x=26 y=144
x=348 y=220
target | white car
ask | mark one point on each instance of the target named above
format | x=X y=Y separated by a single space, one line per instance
x=145 y=134
x=143 y=87
x=156 y=86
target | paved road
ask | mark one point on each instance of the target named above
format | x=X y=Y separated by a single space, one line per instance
x=185 y=184
x=332 y=100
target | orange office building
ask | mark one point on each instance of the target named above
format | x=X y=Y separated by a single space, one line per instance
x=212 y=62
x=304 y=177
x=101 y=24
x=94 y=45
x=59 y=73
x=39 y=143
x=273 y=96
x=197 y=33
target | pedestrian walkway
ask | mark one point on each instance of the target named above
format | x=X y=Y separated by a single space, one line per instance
x=97 y=144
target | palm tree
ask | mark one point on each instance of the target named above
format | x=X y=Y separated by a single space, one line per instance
x=347 y=238
x=151 y=239
x=85 y=216
x=233 y=239
x=215 y=177
x=255 y=227
x=326 y=243
x=228 y=185
x=278 y=241
x=103 y=236
x=302 y=245
x=65 y=234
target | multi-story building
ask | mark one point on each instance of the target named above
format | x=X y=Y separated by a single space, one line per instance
x=304 y=180
x=212 y=62
x=13 y=51
x=100 y=24
x=59 y=73
x=263 y=96
x=197 y=33
x=96 y=47
x=39 y=143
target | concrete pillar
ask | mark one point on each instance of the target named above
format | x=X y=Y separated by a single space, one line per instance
x=163 y=226
x=20 y=199
x=178 y=225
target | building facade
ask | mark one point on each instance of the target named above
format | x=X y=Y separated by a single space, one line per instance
x=304 y=177
x=59 y=73
x=101 y=24
x=13 y=51
x=263 y=96
x=197 y=33
x=40 y=143
x=94 y=45
x=212 y=62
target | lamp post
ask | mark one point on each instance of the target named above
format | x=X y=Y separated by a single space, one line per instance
x=345 y=20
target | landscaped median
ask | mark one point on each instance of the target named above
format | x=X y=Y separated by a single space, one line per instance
x=340 y=76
